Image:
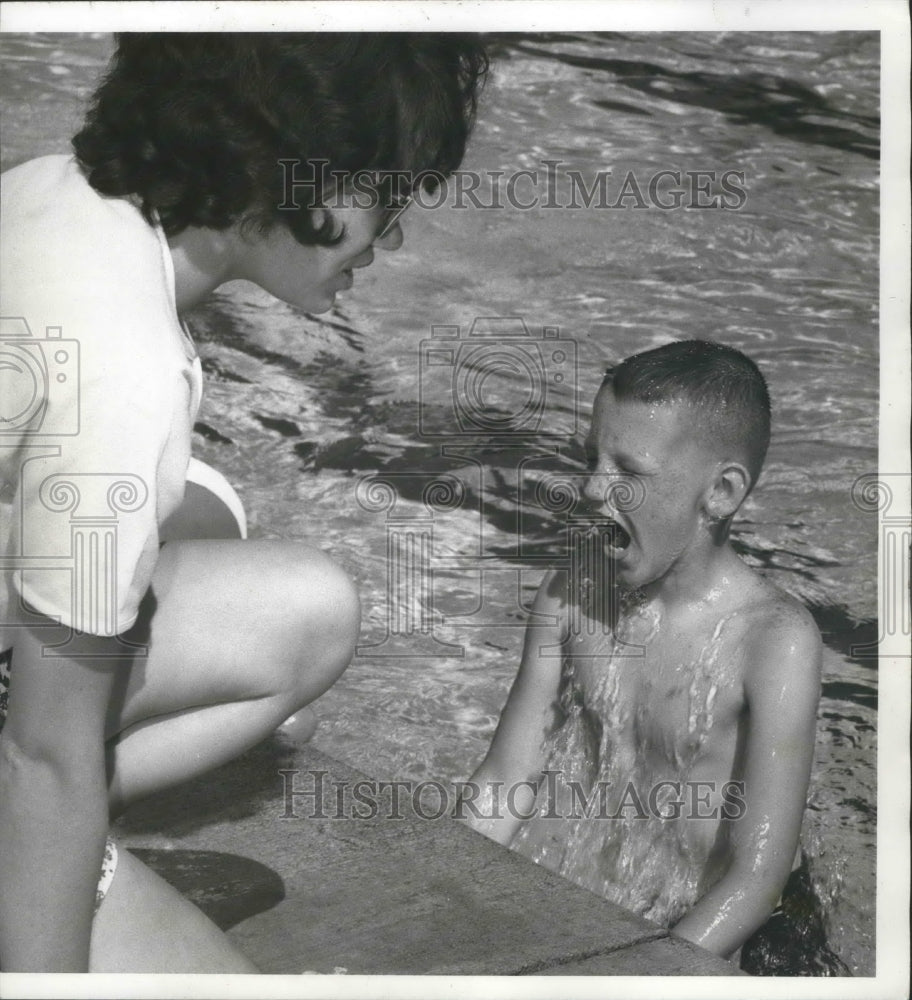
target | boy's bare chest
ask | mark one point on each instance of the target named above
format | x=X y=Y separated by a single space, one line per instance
x=668 y=699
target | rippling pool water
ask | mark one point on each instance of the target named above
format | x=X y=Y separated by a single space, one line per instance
x=299 y=408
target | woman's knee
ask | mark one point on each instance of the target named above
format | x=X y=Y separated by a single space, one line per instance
x=235 y=620
x=324 y=617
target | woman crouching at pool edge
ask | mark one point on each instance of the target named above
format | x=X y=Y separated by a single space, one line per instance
x=174 y=189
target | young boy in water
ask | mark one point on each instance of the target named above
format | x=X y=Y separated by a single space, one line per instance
x=657 y=742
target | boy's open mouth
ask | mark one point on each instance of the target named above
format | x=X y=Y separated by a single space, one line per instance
x=617 y=540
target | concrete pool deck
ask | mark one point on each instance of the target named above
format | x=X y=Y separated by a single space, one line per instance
x=410 y=896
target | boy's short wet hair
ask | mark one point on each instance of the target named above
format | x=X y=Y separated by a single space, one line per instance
x=194 y=125
x=725 y=389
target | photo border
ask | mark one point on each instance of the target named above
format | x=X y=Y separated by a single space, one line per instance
x=891 y=19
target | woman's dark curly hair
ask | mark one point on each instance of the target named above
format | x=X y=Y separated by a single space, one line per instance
x=195 y=125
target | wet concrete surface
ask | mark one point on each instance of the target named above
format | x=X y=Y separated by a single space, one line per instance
x=279 y=852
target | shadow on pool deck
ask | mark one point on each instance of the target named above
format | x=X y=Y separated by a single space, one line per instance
x=303 y=890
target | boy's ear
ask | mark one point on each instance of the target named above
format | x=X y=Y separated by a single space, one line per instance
x=727 y=493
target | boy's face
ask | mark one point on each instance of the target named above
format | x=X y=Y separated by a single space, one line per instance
x=654 y=447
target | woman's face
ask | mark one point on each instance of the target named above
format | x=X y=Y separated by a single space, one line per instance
x=310 y=277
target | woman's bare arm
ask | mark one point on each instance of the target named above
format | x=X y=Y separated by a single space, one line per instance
x=54 y=815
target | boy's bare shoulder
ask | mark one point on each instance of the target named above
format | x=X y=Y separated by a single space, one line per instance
x=766 y=608
x=780 y=637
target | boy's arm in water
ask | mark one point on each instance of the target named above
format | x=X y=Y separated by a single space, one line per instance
x=502 y=790
x=53 y=791
x=782 y=689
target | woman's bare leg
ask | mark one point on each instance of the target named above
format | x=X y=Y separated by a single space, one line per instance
x=243 y=634
x=144 y=925
x=240 y=635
